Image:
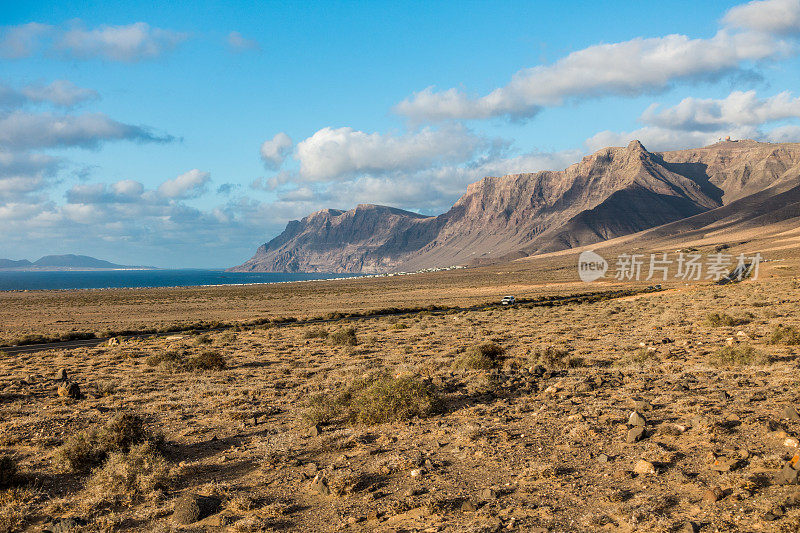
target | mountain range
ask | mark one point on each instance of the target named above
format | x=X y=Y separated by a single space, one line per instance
x=64 y=262
x=614 y=192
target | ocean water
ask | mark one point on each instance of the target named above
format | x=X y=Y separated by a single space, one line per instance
x=18 y=280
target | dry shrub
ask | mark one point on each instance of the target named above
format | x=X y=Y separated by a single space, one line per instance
x=208 y=360
x=375 y=399
x=550 y=357
x=788 y=335
x=343 y=337
x=741 y=354
x=482 y=357
x=322 y=409
x=130 y=476
x=167 y=359
x=316 y=333
x=176 y=362
x=640 y=357
x=16 y=506
x=88 y=448
x=725 y=320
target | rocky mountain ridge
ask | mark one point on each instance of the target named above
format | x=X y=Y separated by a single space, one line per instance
x=614 y=192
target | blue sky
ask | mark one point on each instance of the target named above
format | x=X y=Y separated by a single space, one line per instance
x=186 y=135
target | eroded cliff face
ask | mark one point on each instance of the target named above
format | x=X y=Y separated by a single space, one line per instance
x=613 y=192
x=369 y=238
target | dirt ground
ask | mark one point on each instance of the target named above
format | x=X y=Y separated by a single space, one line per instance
x=518 y=419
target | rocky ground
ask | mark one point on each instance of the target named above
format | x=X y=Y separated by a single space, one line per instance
x=672 y=411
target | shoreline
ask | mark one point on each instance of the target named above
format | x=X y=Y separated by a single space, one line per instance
x=339 y=276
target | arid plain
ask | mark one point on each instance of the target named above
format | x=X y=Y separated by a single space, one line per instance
x=663 y=411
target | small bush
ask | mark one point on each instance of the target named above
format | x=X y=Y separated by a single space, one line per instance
x=742 y=354
x=208 y=360
x=388 y=399
x=8 y=471
x=550 y=357
x=482 y=357
x=375 y=399
x=316 y=333
x=788 y=335
x=322 y=409
x=168 y=359
x=16 y=507
x=399 y=325
x=343 y=337
x=723 y=319
x=88 y=448
x=130 y=476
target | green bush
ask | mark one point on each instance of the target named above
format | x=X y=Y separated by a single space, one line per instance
x=788 y=335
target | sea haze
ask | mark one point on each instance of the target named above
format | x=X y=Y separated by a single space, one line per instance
x=102 y=279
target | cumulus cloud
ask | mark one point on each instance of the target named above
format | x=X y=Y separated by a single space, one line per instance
x=275 y=150
x=769 y=16
x=336 y=154
x=129 y=43
x=188 y=185
x=627 y=68
x=737 y=109
x=61 y=93
x=784 y=134
x=23 y=173
x=23 y=130
x=125 y=191
x=699 y=122
x=23 y=40
x=750 y=33
x=238 y=43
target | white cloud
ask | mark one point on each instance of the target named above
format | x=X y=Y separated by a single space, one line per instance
x=238 y=43
x=631 y=67
x=62 y=93
x=129 y=43
x=336 y=154
x=737 y=109
x=769 y=16
x=275 y=150
x=188 y=185
x=697 y=122
x=23 y=40
x=23 y=130
x=124 y=191
x=784 y=134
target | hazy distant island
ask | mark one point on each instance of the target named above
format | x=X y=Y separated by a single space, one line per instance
x=65 y=262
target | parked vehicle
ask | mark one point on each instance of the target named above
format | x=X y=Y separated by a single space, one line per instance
x=508 y=300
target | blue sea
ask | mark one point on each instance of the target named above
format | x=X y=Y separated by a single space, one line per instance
x=104 y=279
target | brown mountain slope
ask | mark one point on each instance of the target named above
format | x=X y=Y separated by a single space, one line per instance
x=369 y=238
x=611 y=193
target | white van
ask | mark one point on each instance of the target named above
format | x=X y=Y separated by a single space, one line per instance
x=508 y=300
